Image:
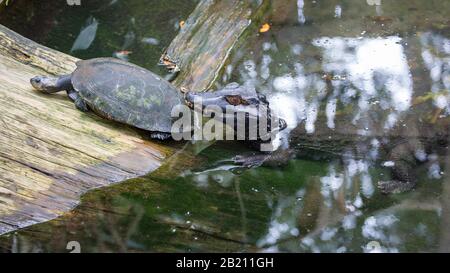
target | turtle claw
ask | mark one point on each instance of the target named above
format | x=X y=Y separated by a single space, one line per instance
x=394 y=186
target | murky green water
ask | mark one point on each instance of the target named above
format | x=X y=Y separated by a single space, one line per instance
x=322 y=63
x=137 y=30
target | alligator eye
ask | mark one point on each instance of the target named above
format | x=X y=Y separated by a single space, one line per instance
x=236 y=100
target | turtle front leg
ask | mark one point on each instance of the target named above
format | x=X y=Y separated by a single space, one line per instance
x=80 y=104
x=72 y=94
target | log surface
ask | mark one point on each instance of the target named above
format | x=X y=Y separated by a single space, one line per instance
x=206 y=39
x=51 y=153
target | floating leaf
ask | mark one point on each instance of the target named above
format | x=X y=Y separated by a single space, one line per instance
x=264 y=28
x=123 y=54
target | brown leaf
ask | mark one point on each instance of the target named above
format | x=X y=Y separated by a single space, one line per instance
x=264 y=28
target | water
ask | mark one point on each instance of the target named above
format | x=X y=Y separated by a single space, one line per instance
x=136 y=30
x=374 y=66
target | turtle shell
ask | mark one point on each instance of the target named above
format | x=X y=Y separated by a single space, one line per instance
x=126 y=93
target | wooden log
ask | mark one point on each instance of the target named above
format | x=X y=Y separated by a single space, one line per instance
x=206 y=39
x=50 y=153
x=136 y=216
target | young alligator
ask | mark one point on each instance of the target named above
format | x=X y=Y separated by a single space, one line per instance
x=400 y=148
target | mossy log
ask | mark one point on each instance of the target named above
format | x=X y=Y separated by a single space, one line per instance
x=50 y=153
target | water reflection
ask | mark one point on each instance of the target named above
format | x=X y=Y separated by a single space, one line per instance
x=377 y=73
x=367 y=81
x=364 y=73
x=136 y=30
x=301 y=16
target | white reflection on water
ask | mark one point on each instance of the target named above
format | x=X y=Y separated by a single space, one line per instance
x=331 y=184
x=372 y=77
x=373 y=2
x=221 y=175
x=328 y=233
x=338 y=11
x=301 y=15
x=436 y=56
x=283 y=223
x=374 y=226
x=376 y=69
x=367 y=74
x=378 y=228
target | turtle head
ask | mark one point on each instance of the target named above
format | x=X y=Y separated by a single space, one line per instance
x=233 y=99
x=45 y=84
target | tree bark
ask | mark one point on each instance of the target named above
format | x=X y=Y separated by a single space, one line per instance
x=206 y=39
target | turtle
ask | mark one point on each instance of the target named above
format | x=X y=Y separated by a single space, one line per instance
x=119 y=91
